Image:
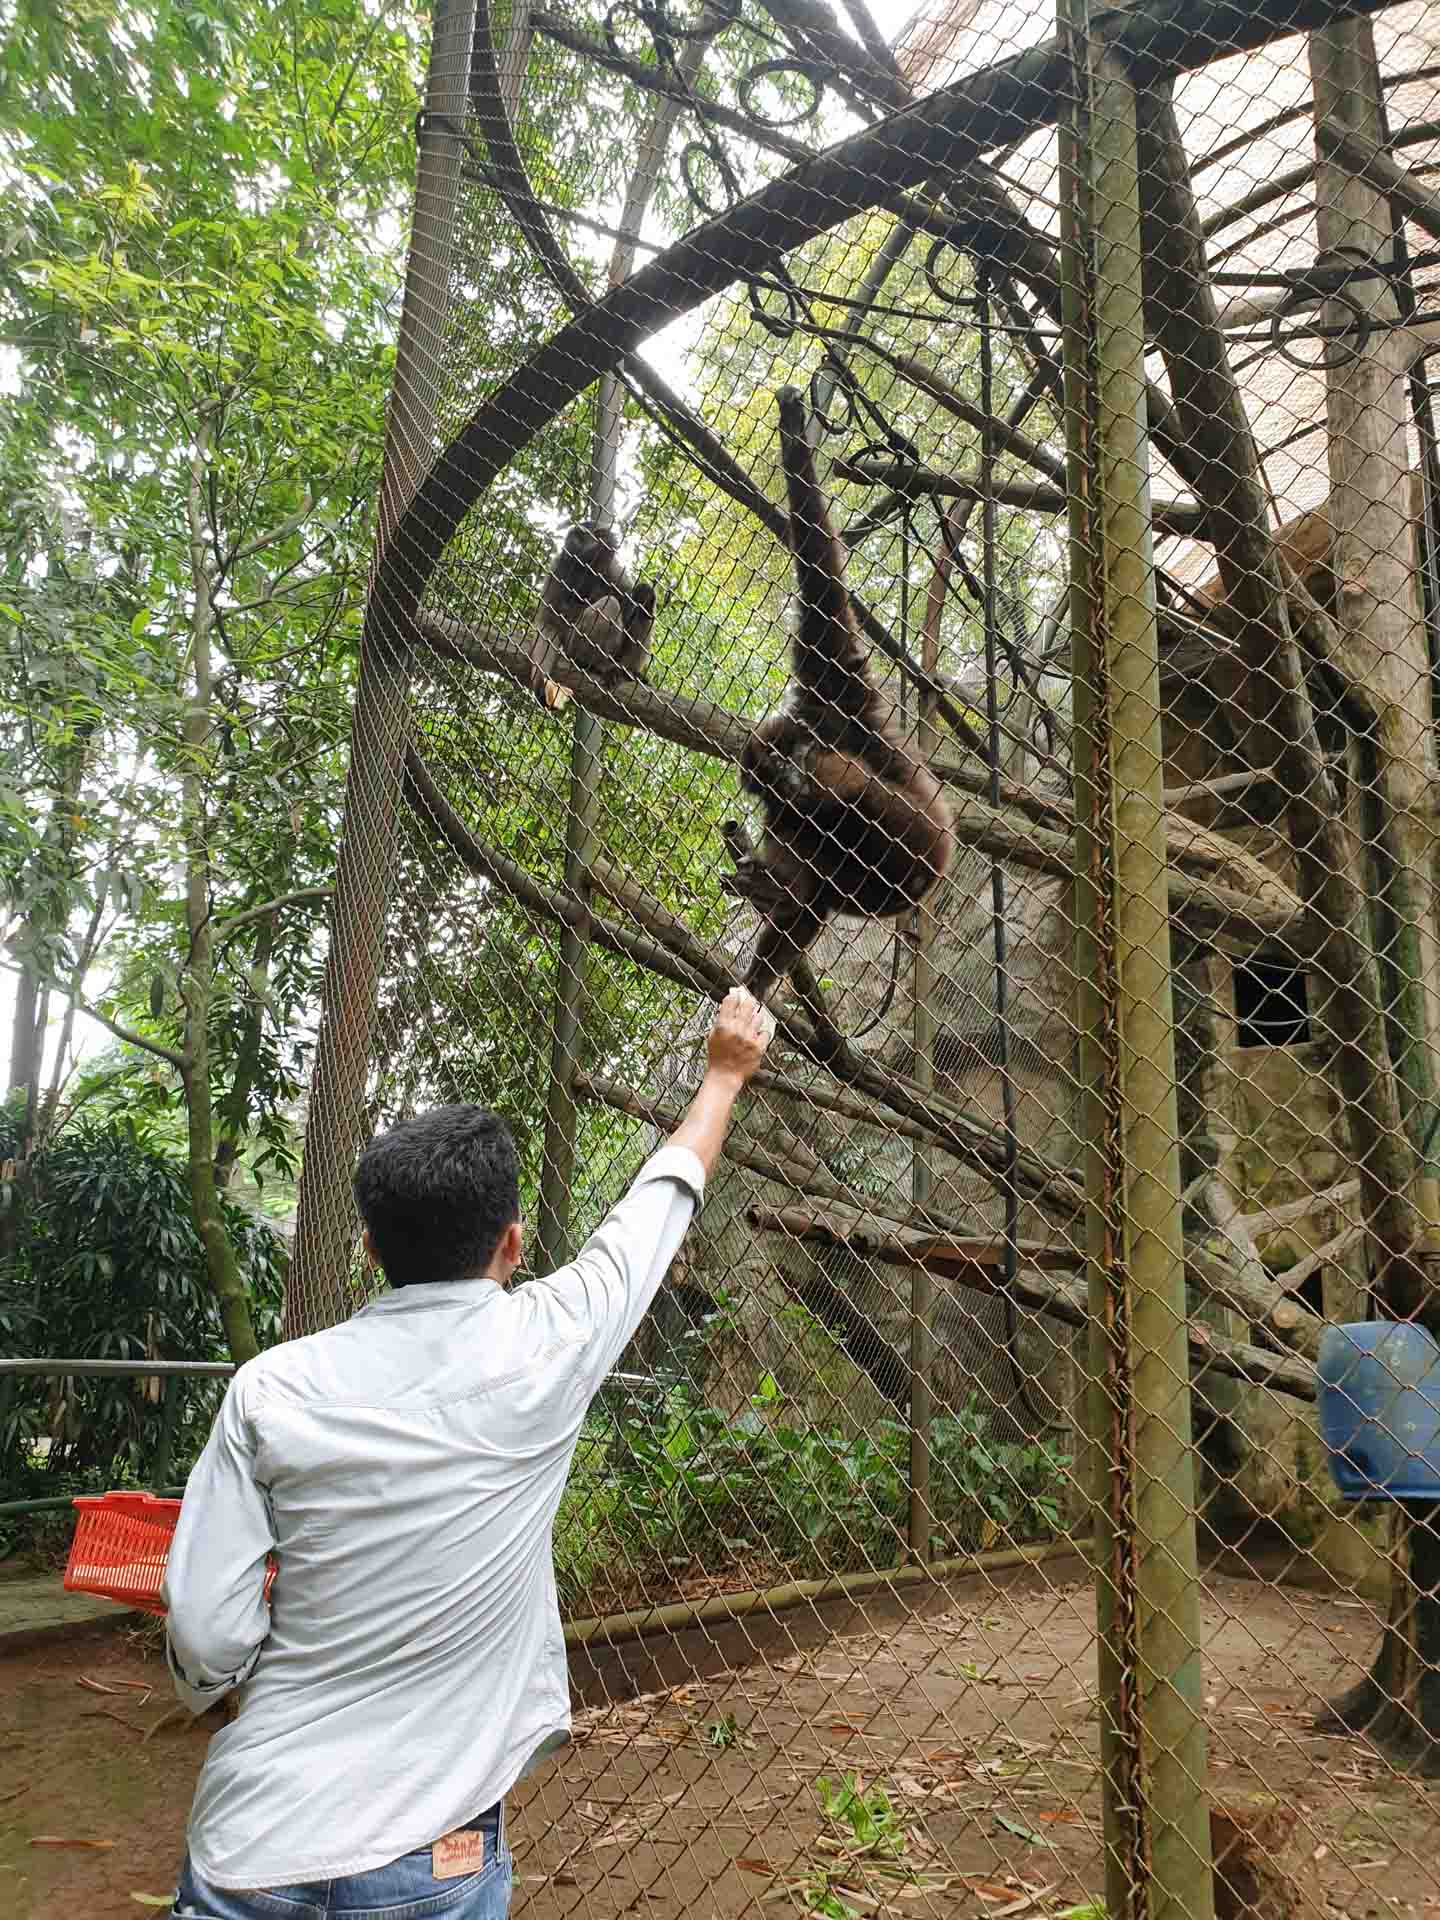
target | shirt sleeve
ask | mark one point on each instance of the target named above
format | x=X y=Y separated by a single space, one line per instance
x=606 y=1290
x=217 y=1616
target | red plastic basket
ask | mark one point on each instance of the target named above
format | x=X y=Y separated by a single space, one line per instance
x=121 y=1544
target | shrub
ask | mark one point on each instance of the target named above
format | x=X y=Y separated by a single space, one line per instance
x=107 y=1265
x=694 y=1486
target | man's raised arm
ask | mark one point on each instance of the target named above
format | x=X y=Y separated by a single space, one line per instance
x=606 y=1291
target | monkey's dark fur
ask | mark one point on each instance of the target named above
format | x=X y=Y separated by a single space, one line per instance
x=592 y=612
x=855 y=823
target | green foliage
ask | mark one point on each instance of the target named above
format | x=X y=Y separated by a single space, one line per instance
x=201 y=250
x=872 y=1837
x=870 y=1821
x=693 y=1485
x=110 y=1268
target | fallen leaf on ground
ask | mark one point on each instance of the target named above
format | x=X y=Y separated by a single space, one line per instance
x=166 y=1900
x=1060 y=1813
x=1028 y=1899
x=755 y=1866
x=59 y=1840
x=1025 y=1833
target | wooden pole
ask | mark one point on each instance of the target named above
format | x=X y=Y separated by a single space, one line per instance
x=1157 y=1839
x=922 y=1165
x=1378 y=609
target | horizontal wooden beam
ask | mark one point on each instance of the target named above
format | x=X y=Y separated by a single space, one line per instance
x=1170 y=516
x=1030 y=1287
x=1230 y=916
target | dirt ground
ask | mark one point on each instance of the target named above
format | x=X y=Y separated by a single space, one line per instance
x=692 y=1782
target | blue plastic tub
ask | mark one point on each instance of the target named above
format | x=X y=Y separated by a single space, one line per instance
x=1380 y=1410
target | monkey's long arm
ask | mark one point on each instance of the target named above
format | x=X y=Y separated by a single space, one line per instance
x=830 y=663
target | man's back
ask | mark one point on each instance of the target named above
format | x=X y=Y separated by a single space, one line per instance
x=405 y=1469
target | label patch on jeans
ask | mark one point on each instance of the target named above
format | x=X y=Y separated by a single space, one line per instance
x=457 y=1853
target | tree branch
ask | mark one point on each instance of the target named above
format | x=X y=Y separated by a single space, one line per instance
x=1375 y=166
x=274 y=536
x=677 y=955
x=1170 y=516
x=553 y=902
x=232 y=922
x=1237 y=917
x=132 y=1039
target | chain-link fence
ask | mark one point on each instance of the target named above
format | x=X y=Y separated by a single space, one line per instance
x=970 y=1534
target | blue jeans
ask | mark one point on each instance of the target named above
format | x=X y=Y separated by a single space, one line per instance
x=404 y=1890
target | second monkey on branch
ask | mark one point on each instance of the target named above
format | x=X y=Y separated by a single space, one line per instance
x=592 y=613
x=855 y=822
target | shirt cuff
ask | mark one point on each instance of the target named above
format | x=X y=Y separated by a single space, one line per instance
x=675 y=1163
x=200 y=1695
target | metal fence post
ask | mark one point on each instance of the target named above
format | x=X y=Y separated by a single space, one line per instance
x=1147 y=1589
x=316 y=1291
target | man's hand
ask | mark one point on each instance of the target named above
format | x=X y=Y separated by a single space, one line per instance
x=739 y=1035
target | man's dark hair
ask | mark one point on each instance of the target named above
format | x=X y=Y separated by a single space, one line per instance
x=437 y=1192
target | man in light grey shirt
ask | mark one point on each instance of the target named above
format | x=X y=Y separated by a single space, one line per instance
x=404 y=1470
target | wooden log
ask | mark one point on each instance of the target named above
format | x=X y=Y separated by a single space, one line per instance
x=1372 y=164
x=1377 y=618
x=1171 y=516
x=1282 y=721
x=1288 y=1212
x=798 y=1169
x=1266 y=1303
x=1330 y=1255
x=870 y=1237
x=1234 y=917
x=1228 y=786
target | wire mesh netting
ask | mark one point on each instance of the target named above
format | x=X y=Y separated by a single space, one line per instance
x=1003 y=1504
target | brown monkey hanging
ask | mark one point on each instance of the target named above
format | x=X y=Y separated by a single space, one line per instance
x=855 y=823
x=593 y=612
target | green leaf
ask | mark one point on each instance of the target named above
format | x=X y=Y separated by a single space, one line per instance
x=1025 y=1833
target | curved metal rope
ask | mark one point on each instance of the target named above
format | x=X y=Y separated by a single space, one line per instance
x=944 y=131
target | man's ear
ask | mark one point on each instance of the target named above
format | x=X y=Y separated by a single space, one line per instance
x=372 y=1258
x=512 y=1244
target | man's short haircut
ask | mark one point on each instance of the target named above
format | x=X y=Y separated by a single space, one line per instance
x=437 y=1192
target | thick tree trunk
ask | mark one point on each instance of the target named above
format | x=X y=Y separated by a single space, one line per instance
x=1377 y=611
x=197 y=975
x=25 y=1035
x=1398 y=1702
